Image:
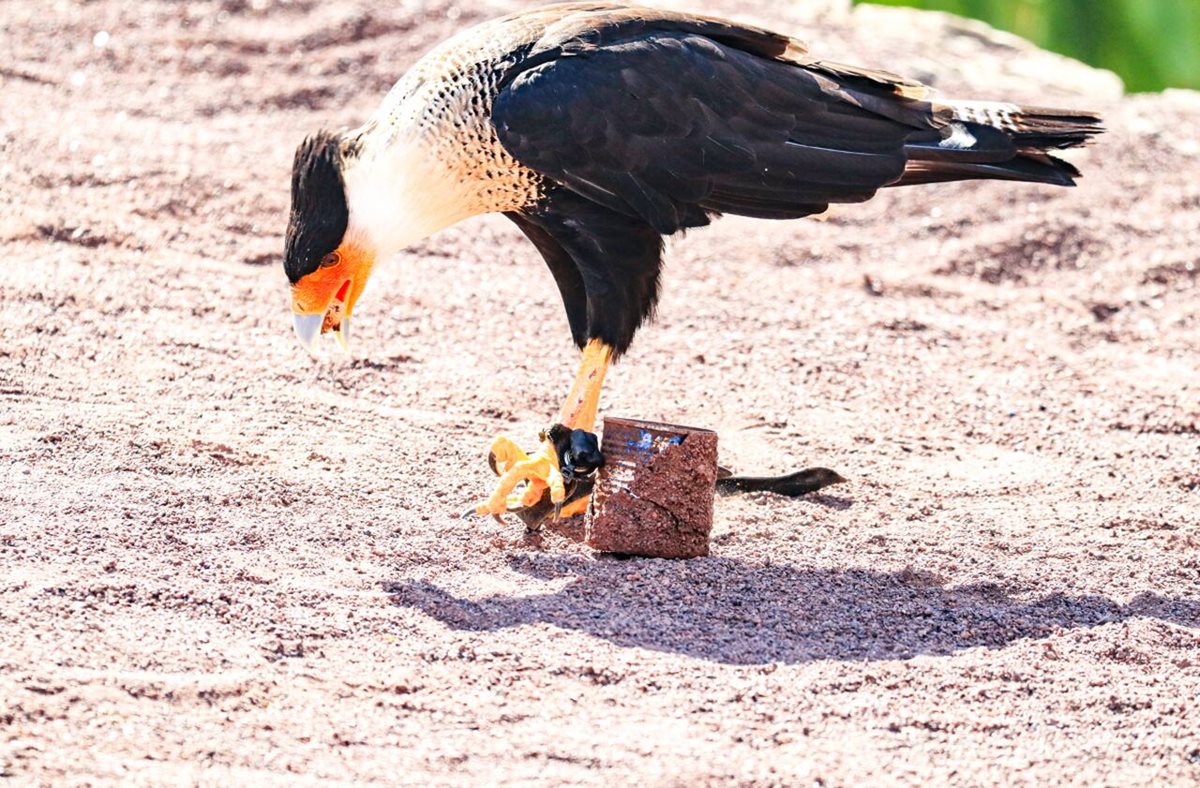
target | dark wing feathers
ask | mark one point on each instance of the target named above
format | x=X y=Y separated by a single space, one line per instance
x=606 y=264
x=867 y=81
x=578 y=27
x=646 y=122
x=1007 y=143
x=671 y=127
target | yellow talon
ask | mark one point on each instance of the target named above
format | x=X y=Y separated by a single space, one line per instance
x=539 y=471
x=505 y=453
x=503 y=456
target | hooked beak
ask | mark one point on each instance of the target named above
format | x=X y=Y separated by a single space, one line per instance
x=308 y=328
x=308 y=331
x=336 y=320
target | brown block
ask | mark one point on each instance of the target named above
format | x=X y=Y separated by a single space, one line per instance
x=654 y=495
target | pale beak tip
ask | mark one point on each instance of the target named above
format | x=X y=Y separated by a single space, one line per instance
x=308 y=328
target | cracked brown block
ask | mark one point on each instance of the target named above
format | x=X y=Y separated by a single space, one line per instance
x=654 y=495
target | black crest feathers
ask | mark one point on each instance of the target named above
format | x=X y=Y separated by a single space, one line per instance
x=319 y=213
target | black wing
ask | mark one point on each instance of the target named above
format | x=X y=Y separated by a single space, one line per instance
x=606 y=264
x=646 y=122
x=673 y=126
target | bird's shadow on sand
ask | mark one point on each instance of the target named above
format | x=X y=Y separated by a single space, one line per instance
x=734 y=612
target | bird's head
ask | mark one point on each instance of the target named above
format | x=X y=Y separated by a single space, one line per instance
x=327 y=264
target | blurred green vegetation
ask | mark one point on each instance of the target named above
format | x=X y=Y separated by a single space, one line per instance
x=1151 y=44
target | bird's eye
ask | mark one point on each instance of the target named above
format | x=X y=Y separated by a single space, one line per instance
x=331 y=259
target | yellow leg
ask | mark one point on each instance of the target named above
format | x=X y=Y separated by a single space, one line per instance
x=579 y=411
x=540 y=469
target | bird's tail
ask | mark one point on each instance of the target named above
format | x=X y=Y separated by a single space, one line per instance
x=994 y=140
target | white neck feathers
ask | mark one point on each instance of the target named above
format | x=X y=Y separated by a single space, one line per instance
x=400 y=195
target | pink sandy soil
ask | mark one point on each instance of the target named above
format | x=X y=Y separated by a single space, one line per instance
x=222 y=561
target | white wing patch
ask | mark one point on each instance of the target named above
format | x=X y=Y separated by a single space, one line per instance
x=997 y=114
x=960 y=138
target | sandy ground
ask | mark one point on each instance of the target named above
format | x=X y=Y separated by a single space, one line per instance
x=225 y=562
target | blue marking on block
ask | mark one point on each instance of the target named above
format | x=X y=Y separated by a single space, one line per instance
x=644 y=443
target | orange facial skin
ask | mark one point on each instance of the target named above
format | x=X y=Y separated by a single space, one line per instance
x=335 y=286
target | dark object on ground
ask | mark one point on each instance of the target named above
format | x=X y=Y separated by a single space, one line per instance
x=535 y=516
x=654 y=495
x=792 y=485
x=578 y=458
x=578 y=451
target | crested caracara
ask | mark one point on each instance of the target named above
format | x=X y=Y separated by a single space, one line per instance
x=600 y=128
